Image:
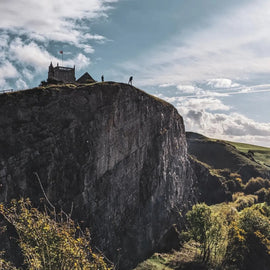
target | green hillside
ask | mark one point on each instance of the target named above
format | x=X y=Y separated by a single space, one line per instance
x=247 y=160
x=261 y=154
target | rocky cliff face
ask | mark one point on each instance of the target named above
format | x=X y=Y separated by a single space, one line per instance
x=114 y=152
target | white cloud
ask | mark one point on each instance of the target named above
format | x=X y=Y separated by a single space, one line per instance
x=3 y=84
x=191 y=91
x=28 y=27
x=166 y=85
x=52 y=20
x=231 y=126
x=28 y=74
x=239 y=125
x=94 y=37
x=21 y=84
x=30 y=54
x=234 y=45
x=222 y=83
x=87 y=48
x=203 y=114
x=186 y=88
x=8 y=71
x=80 y=61
x=37 y=57
x=3 y=40
x=202 y=104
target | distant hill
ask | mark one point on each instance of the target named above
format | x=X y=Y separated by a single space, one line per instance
x=260 y=154
x=219 y=154
x=218 y=163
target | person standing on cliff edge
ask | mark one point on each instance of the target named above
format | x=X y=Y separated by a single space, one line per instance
x=130 y=80
x=102 y=78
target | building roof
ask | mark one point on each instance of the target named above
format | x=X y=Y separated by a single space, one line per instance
x=86 y=78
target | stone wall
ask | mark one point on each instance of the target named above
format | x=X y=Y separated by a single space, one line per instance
x=61 y=74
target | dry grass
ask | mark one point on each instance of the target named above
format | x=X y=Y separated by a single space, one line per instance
x=186 y=258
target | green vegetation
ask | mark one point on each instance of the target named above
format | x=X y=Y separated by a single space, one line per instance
x=259 y=153
x=232 y=232
x=4 y=264
x=249 y=239
x=242 y=201
x=255 y=184
x=156 y=262
x=225 y=154
x=220 y=237
x=208 y=229
x=181 y=259
x=50 y=241
x=227 y=168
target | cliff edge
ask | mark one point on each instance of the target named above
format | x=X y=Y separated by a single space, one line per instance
x=115 y=153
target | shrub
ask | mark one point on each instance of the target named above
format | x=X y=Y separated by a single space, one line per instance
x=245 y=201
x=263 y=208
x=229 y=239
x=237 y=195
x=232 y=186
x=4 y=264
x=237 y=180
x=51 y=241
x=249 y=240
x=255 y=184
x=263 y=195
x=233 y=182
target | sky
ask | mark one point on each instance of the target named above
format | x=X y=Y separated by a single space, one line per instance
x=209 y=58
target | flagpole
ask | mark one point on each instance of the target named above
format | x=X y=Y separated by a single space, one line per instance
x=62 y=52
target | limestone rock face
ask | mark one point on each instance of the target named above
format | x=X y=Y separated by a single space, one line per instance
x=114 y=152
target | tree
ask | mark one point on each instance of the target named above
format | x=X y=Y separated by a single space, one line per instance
x=206 y=228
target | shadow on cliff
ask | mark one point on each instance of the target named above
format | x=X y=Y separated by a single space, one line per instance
x=115 y=153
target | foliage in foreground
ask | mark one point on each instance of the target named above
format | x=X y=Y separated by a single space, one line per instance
x=229 y=239
x=220 y=237
x=50 y=241
x=209 y=229
x=4 y=264
x=177 y=259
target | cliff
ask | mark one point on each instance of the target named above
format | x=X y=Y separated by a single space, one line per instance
x=118 y=155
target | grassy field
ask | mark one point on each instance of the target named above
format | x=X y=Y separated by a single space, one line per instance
x=226 y=154
x=261 y=154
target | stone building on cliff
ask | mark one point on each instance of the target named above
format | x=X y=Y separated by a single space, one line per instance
x=61 y=74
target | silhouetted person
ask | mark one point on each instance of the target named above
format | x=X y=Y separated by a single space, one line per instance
x=102 y=78
x=130 y=80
